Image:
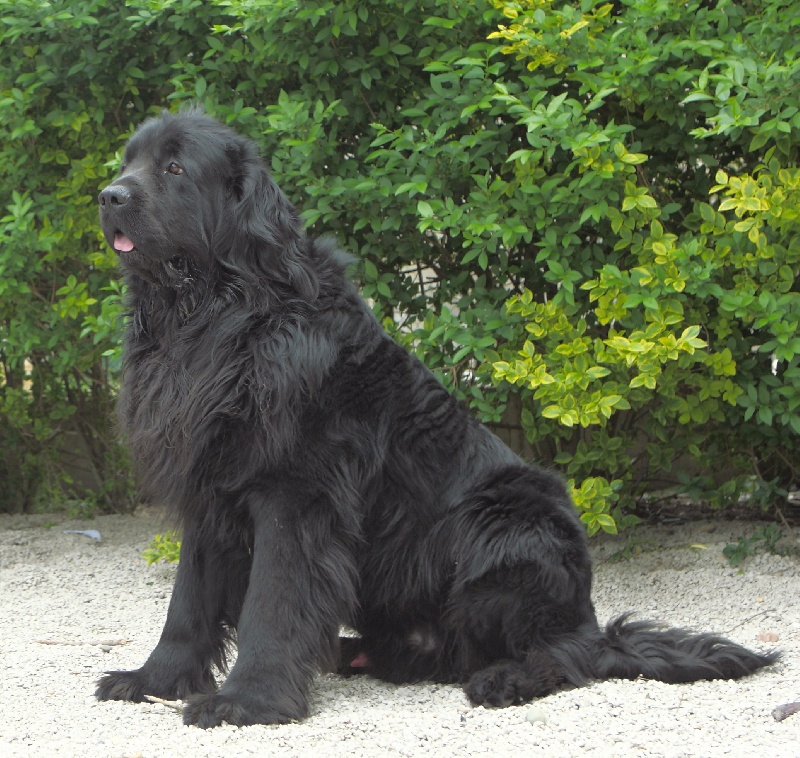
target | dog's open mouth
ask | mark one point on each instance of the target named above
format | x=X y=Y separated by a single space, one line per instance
x=122 y=244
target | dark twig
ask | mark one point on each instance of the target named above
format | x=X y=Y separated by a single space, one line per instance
x=750 y=618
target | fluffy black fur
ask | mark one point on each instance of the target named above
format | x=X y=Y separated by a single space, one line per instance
x=322 y=476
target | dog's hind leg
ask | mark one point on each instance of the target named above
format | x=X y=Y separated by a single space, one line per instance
x=522 y=582
x=506 y=621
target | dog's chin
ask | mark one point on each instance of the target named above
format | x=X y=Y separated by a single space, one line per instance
x=174 y=273
x=131 y=258
x=136 y=261
x=135 y=255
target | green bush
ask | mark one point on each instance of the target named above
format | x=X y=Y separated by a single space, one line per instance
x=662 y=138
x=591 y=206
x=57 y=306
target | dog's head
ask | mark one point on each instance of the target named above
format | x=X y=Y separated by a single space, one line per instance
x=194 y=199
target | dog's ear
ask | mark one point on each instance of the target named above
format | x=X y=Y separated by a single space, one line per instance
x=267 y=236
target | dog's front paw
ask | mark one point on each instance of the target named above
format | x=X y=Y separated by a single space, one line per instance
x=134 y=686
x=122 y=685
x=238 y=709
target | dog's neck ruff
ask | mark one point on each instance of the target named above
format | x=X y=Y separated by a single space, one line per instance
x=182 y=274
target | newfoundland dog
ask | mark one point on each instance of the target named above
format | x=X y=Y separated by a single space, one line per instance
x=323 y=477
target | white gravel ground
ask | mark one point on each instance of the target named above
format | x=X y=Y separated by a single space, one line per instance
x=61 y=594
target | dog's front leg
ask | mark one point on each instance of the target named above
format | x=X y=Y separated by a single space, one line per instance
x=208 y=593
x=301 y=587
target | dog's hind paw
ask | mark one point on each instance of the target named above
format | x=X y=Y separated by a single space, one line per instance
x=514 y=682
x=498 y=686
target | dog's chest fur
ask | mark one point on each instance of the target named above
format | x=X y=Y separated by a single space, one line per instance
x=225 y=382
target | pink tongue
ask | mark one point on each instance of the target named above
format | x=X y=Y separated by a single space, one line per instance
x=122 y=243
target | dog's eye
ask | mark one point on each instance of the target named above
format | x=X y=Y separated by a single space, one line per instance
x=174 y=168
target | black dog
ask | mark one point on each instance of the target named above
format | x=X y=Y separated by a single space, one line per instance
x=322 y=475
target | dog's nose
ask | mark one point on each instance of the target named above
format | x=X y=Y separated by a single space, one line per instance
x=114 y=194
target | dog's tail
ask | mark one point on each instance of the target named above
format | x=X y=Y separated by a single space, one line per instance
x=629 y=649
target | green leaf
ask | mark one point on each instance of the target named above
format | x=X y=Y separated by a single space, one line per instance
x=551 y=411
x=446 y=23
x=370 y=270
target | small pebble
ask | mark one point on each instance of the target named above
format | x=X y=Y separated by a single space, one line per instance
x=535 y=715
